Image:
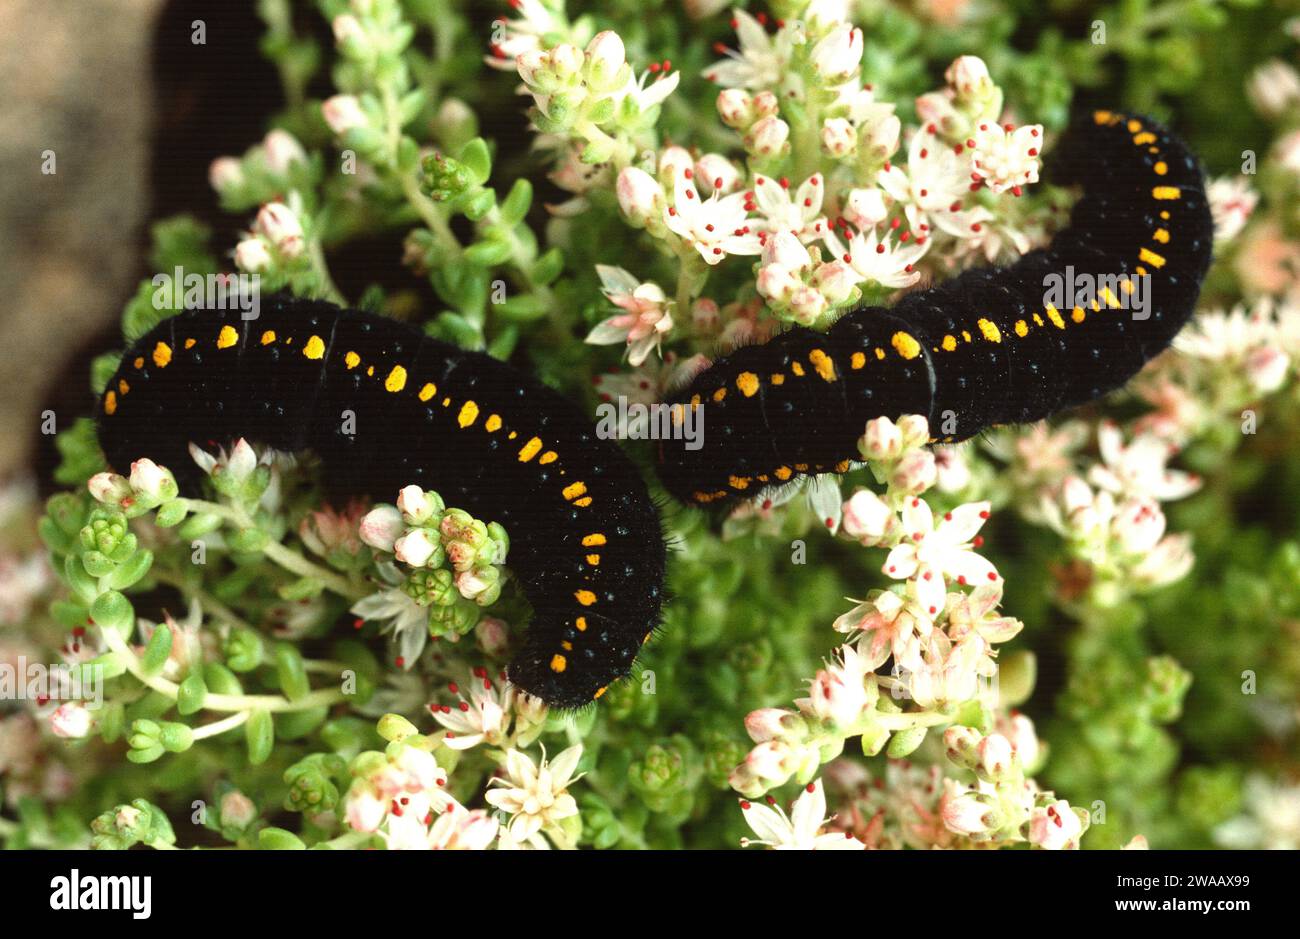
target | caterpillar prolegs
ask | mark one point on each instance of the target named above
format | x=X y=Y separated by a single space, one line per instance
x=985 y=348
x=586 y=542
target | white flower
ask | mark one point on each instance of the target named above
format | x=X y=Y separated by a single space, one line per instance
x=647 y=96
x=929 y=553
x=523 y=34
x=343 y=113
x=1168 y=561
x=880 y=260
x=483 y=717
x=460 y=829
x=252 y=255
x=800 y=216
x=536 y=797
x=715 y=227
x=932 y=186
x=399 y=615
x=1007 y=158
x=646 y=317
x=1271 y=820
x=1055 y=827
x=1139 y=468
x=237 y=465
x=1231 y=202
x=837 y=57
x=838 y=693
x=761 y=61
x=800 y=830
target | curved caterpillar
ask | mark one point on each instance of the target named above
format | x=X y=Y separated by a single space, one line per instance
x=982 y=349
x=586 y=542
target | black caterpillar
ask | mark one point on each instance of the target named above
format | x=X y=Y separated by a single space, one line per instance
x=586 y=542
x=982 y=349
x=979 y=350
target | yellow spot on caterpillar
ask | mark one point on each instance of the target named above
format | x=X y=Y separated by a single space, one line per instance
x=585 y=597
x=1055 y=317
x=695 y=402
x=1038 y=320
x=530 y=449
x=880 y=353
x=1141 y=270
x=371 y=372
x=1161 y=235
x=139 y=361
x=314 y=348
x=1147 y=137
x=823 y=363
x=1161 y=168
x=428 y=391
x=110 y=403
x=1167 y=192
x=581 y=623
x=599 y=692
x=1101 y=117
x=558 y=663
x=801 y=467
x=512 y=435
x=289 y=341
x=702 y=497
x=550 y=456
x=719 y=394
x=747 y=382
x=797 y=369
x=1134 y=126
x=738 y=482
x=778 y=379
x=988 y=330
x=857 y=360
x=468 y=414
x=905 y=345
x=782 y=473
x=1108 y=295
x=122 y=386
x=566 y=645
x=1164 y=214
x=573 y=490
x=1077 y=315
x=1126 y=285
x=227 y=337
x=268 y=337
x=351 y=360
x=593 y=559
x=189 y=343
x=1151 y=257
x=842 y=466
x=762 y=477
x=1022 y=328
x=493 y=423
x=1096 y=307
x=396 y=379
x=162 y=354
x=949 y=343
x=593 y=541
x=965 y=335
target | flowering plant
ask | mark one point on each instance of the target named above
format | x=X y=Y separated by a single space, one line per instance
x=332 y=676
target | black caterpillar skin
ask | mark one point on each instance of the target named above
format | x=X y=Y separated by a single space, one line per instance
x=976 y=351
x=586 y=542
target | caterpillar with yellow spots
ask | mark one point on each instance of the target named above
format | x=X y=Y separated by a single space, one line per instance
x=385 y=407
x=987 y=347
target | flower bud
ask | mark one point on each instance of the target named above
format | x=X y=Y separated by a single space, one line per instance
x=882 y=441
x=281 y=227
x=768 y=136
x=717 y=173
x=224 y=172
x=109 y=488
x=343 y=113
x=766 y=104
x=994 y=755
x=839 y=138
x=968 y=75
x=866 y=516
x=838 y=57
x=418 y=506
x=381 y=527
x=153 y=482
x=236 y=810
x=639 y=195
x=415 y=547
x=865 y=208
x=767 y=724
x=807 y=304
x=777 y=284
x=71 y=720
x=835 y=280
x=606 y=57
x=282 y=149
x=253 y=256
x=736 y=107
x=915 y=472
